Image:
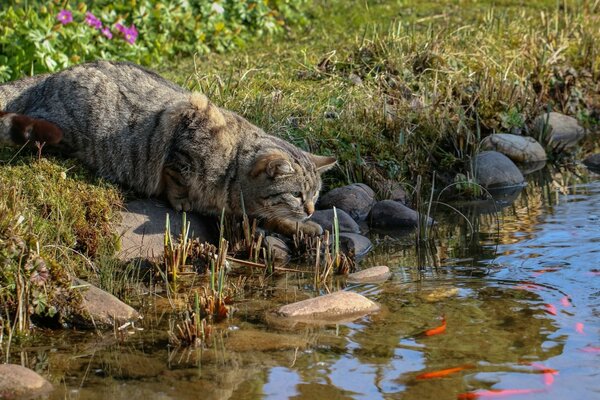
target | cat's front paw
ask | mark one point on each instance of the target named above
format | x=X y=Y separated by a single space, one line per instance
x=290 y=227
x=311 y=228
x=181 y=205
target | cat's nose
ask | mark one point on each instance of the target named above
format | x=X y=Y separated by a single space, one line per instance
x=309 y=208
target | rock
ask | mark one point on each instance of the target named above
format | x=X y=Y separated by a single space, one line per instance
x=356 y=199
x=493 y=169
x=332 y=307
x=559 y=130
x=441 y=294
x=102 y=309
x=391 y=215
x=256 y=340
x=371 y=275
x=355 y=243
x=280 y=252
x=325 y=219
x=593 y=162
x=143 y=227
x=531 y=167
x=20 y=382
x=521 y=149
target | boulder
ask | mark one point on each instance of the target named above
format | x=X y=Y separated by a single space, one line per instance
x=280 y=252
x=332 y=307
x=355 y=243
x=493 y=170
x=593 y=162
x=377 y=274
x=521 y=149
x=22 y=383
x=101 y=309
x=356 y=199
x=325 y=219
x=142 y=228
x=560 y=131
x=392 y=215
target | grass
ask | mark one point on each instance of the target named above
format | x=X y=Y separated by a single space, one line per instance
x=395 y=89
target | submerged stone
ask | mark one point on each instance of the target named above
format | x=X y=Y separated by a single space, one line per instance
x=355 y=243
x=390 y=215
x=593 y=162
x=325 y=219
x=280 y=252
x=332 y=307
x=560 y=131
x=380 y=273
x=521 y=149
x=101 y=309
x=356 y=199
x=17 y=382
x=493 y=170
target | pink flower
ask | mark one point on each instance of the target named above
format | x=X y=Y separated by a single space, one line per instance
x=106 y=32
x=130 y=34
x=92 y=20
x=64 y=17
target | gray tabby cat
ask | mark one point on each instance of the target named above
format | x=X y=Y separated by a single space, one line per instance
x=136 y=128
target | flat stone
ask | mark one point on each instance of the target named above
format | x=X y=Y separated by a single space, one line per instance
x=377 y=274
x=280 y=252
x=441 y=294
x=593 y=162
x=142 y=228
x=22 y=383
x=356 y=199
x=355 y=243
x=493 y=169
x=345 y=221
x=331 y=307
x=390 y=215
x=102 y=309
x=521 y=149
x=560 y=131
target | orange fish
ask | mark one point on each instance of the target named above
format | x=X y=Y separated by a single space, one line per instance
x=550 y=309
x=443 y=372
x=548 y=373
x=437 y=330
x=495 y=393
x=591 y=349
x=565 y=301
x=579 y=328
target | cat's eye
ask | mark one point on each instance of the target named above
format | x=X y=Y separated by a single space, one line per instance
x=297 y=194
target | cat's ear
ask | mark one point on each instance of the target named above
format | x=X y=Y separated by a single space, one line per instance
x=272 y=164
x=323 y=163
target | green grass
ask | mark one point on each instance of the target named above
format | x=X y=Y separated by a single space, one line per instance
x=394 y=89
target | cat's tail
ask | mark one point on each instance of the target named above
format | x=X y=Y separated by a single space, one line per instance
x=20 y=129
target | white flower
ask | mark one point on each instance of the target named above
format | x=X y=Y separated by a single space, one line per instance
x=216 y=7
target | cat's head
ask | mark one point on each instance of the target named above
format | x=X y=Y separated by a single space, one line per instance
x=284 y=184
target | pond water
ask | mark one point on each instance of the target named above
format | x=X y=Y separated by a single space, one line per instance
x=519 y=292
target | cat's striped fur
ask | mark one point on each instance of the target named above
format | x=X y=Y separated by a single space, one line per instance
x=136 y=128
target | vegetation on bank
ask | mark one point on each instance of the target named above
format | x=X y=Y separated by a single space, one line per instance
x=394 y=89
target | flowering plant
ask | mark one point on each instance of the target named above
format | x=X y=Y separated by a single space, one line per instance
x=52 y=35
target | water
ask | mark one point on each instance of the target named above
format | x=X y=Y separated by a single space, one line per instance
x=520 y=294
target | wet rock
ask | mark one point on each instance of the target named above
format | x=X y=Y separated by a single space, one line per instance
x=143 y=227
x=333 y=307
x=391 y=215
x=561 y=131
x=280 y=252
x=493 y=169
x=22 y=383
x=356 y=199
x=377 y=274
x=441 y=294
x=521 y=149
x=593 y=162
x=254 y=340
x=325 y=219
x=531 y=167
x=101 y=309
x=355 y=243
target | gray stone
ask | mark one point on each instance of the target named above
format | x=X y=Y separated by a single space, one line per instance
x=142 y=228
x=377 y=274
x=100 y=309
x=325 y=219
x=521 y=149
x=22 y=383
x=560 y=131
x=593 y=162
x=280 y=252
x=493 y=169
x=390 y=215
x=332 y=307
x=356 y=199
x=355 y=243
